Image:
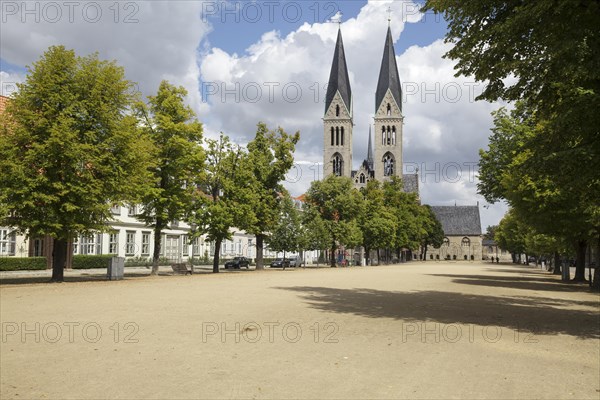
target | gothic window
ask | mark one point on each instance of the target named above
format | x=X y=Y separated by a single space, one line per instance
x=389 y=110
x=383 y=135
x=465 y=242
x=389 y=136
x=362 y=178
x=446 y=242
x=332 y=135
x=388 y=164
x=342 y=135
x=394 y=135
x=337 y=136
x=337 y=110
x=337 y=163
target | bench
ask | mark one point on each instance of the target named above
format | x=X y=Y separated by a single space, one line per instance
x=181 y=268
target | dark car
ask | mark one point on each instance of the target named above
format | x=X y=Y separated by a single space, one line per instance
x=237 y=263
x=280 y=262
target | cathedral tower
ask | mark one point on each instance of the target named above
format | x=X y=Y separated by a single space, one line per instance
x=337 y=121
x=388 y=116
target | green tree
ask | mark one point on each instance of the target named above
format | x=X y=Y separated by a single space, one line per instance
x=178 y=157
x=490 y=232
x=271 y=155
x=315 y=232
x=433 y=233
x=377 y=222
x=406 y=209
x=287 y=235
x=339 y=206
x=225 y=195
x=69 y=149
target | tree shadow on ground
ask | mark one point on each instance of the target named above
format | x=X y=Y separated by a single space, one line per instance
x=530 y=282
x=531 y=314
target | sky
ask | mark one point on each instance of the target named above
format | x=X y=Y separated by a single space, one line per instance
x=248 y=61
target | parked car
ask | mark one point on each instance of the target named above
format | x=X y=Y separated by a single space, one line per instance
x=280 y=262
x=296 y=261
x=237 y=263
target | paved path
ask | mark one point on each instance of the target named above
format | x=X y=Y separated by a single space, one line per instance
x=417 y=330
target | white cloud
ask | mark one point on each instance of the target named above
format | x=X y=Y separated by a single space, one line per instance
x=152 y=40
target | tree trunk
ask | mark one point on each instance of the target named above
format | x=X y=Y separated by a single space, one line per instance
x=59 y=259
x=596 y=282
x=332 y=256
x=157 y=246
x=581 y=246
x=367 y=252
x=425 y=252
x=260 y=239
x=378 y=258
x=556 y=270
x=216 y=255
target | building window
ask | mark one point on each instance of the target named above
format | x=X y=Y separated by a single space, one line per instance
x=38 y=248
x=130 y=243
x=389 y=136
x=337 y=136
x=362 y=178
x=383 y=135
x=115 y=210
x=196 y=247
x=446 y=242
x=76 y=245
x=332 y=136
x=342 y=135
x=186 y=245
x=393 y=135
x=8 y=242
x=389 y=109
x=388 y=165
x=132 y=211
x=90 y=244
x=146 y=243
x=113 y=243
x=337 y=164
x=337 y=110
x=465 y=242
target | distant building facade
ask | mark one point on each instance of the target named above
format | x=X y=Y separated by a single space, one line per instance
x=462 y=234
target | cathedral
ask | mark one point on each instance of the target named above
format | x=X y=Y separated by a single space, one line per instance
x=384 y=154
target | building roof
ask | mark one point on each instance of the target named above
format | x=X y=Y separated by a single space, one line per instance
x=339 y=79
x=411 y=183
x=388 y=75
x=459 y=220
x=488 y=242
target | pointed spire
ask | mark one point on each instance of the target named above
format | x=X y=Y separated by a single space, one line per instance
x=388 y=74
x=338 y=78
x=370 y=151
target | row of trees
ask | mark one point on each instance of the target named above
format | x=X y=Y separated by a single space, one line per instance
x=544 y=154
x=76 y=140
x=335 y=214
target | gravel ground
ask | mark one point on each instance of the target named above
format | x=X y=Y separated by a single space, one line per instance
x=416 y=330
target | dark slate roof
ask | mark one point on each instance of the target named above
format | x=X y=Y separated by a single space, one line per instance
x=339 y=78
x=488 y=242
x=459 y=220
x=388 y=75
x=411 y=183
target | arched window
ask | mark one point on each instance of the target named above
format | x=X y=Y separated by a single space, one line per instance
x=342 y=135
x=389 y=136
x=446 y=242
x=332 y=136
x=394 y=135
x=388 y=164
x=337 y=110
x=383 y=135
x=337 y=136
x=389 y=109
x=338 y=164
x=465 y=242
x=362 y=178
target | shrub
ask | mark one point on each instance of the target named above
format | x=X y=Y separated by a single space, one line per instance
x=22 y=263
x=91 y=261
